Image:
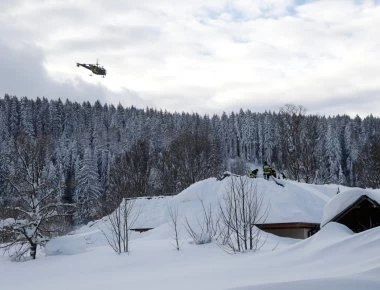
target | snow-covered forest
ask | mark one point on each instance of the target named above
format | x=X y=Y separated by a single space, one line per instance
x=87 y=152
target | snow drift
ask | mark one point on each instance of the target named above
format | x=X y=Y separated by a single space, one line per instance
x=334 y=258
x=294 y=202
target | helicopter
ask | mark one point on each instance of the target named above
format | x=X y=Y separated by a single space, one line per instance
x=94 y=68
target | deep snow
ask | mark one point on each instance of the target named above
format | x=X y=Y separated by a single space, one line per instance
x=334 y=258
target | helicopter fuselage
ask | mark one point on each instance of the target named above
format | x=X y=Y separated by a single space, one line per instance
x=95 y=69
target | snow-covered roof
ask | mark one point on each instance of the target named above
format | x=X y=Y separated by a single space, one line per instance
x=293 y=203
x=344 y=200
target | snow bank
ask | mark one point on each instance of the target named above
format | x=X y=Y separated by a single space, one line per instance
x=343 y=200
x=66 y=245
x=334 y=258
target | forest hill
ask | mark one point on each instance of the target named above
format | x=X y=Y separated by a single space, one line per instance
x=88 y=150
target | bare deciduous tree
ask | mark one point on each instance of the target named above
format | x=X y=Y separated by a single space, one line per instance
x=130 y=175
x=298 y=138
x=239 y=166
x=189 y=158
x=120 y=222
x=138 y=163
x=240 y=210
x=174 y=223
x=291 y=118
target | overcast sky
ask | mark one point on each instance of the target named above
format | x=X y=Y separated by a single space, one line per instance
x=196 y=55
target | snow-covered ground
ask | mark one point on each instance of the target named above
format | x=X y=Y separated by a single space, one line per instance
x=334 y=258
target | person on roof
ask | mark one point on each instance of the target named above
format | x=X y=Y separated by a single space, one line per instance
x=267 y=170
x=253 y=173
x=273 y=173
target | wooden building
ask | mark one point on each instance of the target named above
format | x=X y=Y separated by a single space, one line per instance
x=361 y=215
x=296 y=230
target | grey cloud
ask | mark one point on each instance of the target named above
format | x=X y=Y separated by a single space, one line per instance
x=362 y=103
x=22 y=74
x=114 y=37
x=178 y=63
x=7 y=4
x=63 y=12
x=133 y=34
x=90 y=44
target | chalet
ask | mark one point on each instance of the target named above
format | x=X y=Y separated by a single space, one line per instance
x=295 y=212
x=294 y=230
x=359 y=210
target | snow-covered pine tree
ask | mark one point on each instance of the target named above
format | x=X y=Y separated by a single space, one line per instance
x=368 y=164
x=88 y=189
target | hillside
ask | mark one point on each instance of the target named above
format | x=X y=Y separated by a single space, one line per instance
x=334 y=258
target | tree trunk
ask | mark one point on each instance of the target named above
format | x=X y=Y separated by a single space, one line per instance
x=33 y=251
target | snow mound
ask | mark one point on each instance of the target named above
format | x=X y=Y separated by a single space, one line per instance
x=293 y=202
x=66 y=245
x=343 y=200
x=329 y=259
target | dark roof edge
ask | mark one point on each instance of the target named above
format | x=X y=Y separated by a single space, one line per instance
x=287 y=225
x=352 y=205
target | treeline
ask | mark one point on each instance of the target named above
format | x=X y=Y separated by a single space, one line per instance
x=88 y=151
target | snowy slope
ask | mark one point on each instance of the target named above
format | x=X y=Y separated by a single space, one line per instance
x=334 y=258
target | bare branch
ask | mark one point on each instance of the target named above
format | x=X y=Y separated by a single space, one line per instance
x=120 y=222
x=240 y=210
x=174 y=223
